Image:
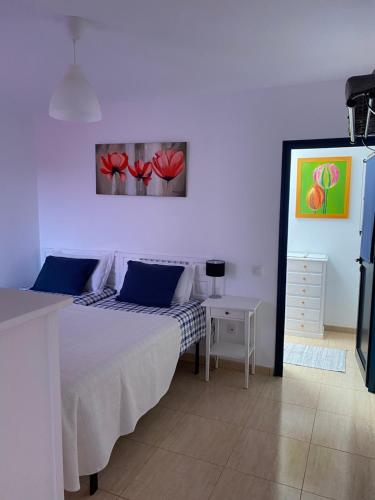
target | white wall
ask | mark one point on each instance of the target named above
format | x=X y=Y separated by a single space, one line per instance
x=337 y=238
x=232 y=207
x=19 y=233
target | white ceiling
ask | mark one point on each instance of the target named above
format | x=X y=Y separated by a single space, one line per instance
x=151 y=47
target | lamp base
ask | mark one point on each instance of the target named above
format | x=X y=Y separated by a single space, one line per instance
x=215 y=296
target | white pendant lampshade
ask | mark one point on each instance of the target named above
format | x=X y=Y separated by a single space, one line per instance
x=74 y=99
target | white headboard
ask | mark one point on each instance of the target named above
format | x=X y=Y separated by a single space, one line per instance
x=116 y=276
x=200 y=284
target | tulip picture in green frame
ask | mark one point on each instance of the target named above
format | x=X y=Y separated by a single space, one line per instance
x=323 y=187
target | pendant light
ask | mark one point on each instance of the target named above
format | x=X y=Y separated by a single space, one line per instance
x=74 y=99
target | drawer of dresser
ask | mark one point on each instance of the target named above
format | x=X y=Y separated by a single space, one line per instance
x=305 y=266
x=308 y=278
x=217 y=312
x=302 y=325
x=303 y=290
x=302 y=314
x=304 y=302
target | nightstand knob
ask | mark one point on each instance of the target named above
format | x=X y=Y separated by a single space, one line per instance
x=226 y=312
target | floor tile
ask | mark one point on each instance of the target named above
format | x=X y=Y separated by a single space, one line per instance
x=341 y=340
x=339 y=475
x=155 y=426
x=85 y=494
x=294 y=339
x=282 y=418
x=169 y=476
x=198 y=437
x=354 y=435
x=127 y=458
x=351 y=379
x=235 y=379
x=269 y=456
x=303 y=373
x=311 y=496
x=182 y=393
x=287 y=390
x=344 y=401
x=224 y=403
x=234 y=485
x=351 y=359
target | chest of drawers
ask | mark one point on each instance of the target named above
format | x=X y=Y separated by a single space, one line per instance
x=305 y=294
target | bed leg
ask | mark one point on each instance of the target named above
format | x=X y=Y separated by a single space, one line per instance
x=93 y=483
x=196 y=364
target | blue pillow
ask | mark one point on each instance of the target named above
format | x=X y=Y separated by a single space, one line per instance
x=150 y=284
x=64 y=275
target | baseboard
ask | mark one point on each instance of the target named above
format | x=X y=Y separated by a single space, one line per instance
x=188 y=357
x=342 y=329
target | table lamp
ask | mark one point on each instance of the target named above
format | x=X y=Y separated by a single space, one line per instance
x=215 y=269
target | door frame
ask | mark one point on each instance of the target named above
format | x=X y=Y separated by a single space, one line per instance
x=288 y=146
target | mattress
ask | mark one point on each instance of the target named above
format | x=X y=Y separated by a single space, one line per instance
x=115 y=366
x=87 y=298
x=191 y=317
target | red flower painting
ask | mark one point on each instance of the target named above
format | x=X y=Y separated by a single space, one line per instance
x=141 y=168
x=141 y=171
x=114 y=163
x=168 y=164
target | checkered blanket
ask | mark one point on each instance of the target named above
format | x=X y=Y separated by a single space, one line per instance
x=191 y=317
x=89 y=298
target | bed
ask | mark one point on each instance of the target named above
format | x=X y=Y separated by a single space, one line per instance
x=117 y=361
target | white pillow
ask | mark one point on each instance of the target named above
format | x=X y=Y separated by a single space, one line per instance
x=99 y=277
x=185 y=283
x=184 y=286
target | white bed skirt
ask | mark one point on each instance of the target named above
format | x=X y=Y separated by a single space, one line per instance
x=115 y=366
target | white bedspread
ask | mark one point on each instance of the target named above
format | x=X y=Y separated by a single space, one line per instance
x=115 y=366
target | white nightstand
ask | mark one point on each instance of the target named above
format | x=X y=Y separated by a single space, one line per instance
x=241 y=309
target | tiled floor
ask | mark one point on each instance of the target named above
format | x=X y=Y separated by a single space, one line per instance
x=308 y=436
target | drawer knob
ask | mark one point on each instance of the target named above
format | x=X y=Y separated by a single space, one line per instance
x=302 y=314
x=302 y=302
x=302 y=326
x=304 y=278
x=305 y=266
x=226 y=312
x=304 y=290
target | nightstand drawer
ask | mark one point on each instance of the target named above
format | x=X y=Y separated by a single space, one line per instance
x=217 y=312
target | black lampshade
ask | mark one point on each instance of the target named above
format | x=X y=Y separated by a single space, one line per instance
x=215 y=268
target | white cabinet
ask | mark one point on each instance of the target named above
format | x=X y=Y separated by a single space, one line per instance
x=30 y=399
x=305 y=294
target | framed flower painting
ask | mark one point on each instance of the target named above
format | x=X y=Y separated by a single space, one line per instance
x=141 y=169
x=323 y=187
